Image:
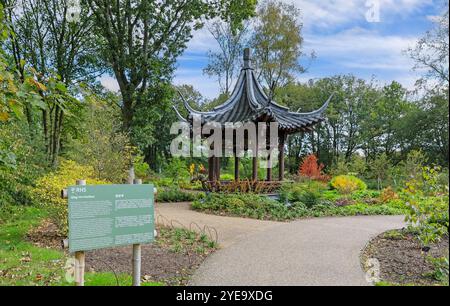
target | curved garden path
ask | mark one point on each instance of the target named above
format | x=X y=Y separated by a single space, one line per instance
x=229 y=229
x=322 y=251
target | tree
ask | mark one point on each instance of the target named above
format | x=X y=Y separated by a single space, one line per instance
x=362 y=117
x=101 y=143
x=380 y=167
x=432 y=51
x=299 y=97
x=384 y=119
x=225 y=63
x=157 y=151
x=142 y=39
x=277 y=42
x=59 y=51
x=342 y=133
x=311 y=168
x=431 y=115
x=427 y=126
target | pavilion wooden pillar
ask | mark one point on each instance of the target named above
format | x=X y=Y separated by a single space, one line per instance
x=255 y=169
x=211 y=169
x=255 y=160
x=217 y=168
x=236 y=168
x=269 y=169
x=281 y=156
x=269 y=160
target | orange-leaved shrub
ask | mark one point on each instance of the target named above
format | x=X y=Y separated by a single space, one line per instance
x=388 y=195
x=311 y=169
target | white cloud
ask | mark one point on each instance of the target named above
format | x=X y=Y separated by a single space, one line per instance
x=358 y=46
x=206 y=86
x=361 y=52
x=202 y=41
x=109 y=83
x=330 y=30
x=365 y=53
x=327 y=14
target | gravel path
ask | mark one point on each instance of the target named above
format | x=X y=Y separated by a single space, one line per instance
x=312 y=252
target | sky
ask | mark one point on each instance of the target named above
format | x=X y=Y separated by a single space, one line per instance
x=365 y=38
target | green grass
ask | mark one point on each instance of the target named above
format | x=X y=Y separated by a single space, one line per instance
x=108 y=279
x=387 y=284
x=180 y=240
x=23 y=264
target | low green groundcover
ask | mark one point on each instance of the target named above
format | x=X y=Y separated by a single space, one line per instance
x=174 y=194
x=309 y=204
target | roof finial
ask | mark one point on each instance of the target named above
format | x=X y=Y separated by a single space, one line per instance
x=247 y=58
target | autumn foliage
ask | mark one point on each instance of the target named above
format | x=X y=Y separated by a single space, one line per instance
x=311 y=168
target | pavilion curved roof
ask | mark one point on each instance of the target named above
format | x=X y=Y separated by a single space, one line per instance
x=249 y=102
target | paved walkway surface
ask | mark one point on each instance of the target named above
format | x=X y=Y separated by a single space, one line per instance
x=312 y=252
x=229 y=230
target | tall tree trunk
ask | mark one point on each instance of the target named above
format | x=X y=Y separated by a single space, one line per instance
x=57 y=138
x=45 y=129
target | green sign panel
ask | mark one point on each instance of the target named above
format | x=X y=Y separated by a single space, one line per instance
x=110 y=215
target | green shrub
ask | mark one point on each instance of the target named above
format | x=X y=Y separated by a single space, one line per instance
x=47 y=191
x=261 y=207
x=347 y=184
x=310 y=198
x=309 y=193
x=174 y=194
x=365 y=194
x=162 y=182
x=13 y=188
x=21 y=163
x=141 y=168
x=227 y=177
x=398 y=204
x=246 y=205
x=101 y=143
x=196 y=185
x=177 y=171
x=441 y=268
x=428 y=206
x=331 y=195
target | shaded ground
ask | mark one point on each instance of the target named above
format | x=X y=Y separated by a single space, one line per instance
x=45 y=235
x=158 y=264
x=402 y=260
x=171 y=260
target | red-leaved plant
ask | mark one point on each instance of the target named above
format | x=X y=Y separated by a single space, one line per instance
x=311 y=169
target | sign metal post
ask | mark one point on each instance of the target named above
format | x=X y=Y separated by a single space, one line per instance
x=137 y=255
x=80 y=257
